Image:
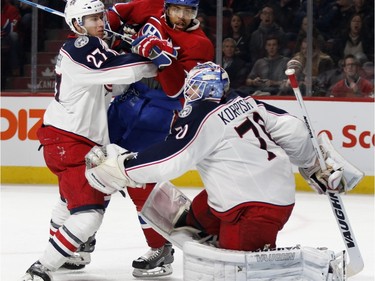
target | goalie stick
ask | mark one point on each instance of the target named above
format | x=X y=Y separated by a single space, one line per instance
x=124 y=37
x=355 y=264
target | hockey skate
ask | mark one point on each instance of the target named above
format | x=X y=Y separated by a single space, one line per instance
x=155 y=263
x=37 y=272
x=82 y=257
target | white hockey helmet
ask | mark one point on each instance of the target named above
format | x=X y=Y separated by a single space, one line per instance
x=77 y=9
x=206 y=81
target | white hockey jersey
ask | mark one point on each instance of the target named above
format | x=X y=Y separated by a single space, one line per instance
x=242 y=149
x=85 y=70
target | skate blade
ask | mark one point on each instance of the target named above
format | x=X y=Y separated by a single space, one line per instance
x=71 y=266
x=164 y=270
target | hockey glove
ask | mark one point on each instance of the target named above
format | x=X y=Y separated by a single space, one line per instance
x=105 y=169
x=158 y=50
x=331 y=180
x=340 y=176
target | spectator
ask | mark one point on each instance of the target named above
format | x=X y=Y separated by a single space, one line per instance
x=346 y=11
x=352 y=85
x=320 y=61
x=355 y=41
x=365 y=8
x=266 y=27
x=359 y=7
x=268 y=73
x=328 y=78
x=285 y=12
x=302 y=34
x=10 y=45
x=203 y=23
x=368 y=71
x=233 y=64
x=237 y=31
x=325 y=13
x=231 y=7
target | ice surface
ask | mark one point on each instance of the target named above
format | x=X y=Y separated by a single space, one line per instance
x=26 y=209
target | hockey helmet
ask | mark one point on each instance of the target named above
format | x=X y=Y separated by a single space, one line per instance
x=206 y=81
x=77 y=9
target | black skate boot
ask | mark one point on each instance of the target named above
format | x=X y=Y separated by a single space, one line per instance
x=37 y=272
x=155 y=263
x=82 y=256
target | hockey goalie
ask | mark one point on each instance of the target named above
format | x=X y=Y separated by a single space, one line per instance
x=243 y=150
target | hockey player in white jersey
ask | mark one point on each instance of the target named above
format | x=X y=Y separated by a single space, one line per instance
x=74 y=122
x=243 y=150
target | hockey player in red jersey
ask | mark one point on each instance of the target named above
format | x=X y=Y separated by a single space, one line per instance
x=74 y=122
x=142 y=116
x=177 y=24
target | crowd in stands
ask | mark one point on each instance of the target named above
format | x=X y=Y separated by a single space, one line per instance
x=341 y=29
x=16 y=33
x=259 y=38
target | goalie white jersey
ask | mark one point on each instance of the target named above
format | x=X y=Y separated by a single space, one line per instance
x=85 y=70
x=233 y=146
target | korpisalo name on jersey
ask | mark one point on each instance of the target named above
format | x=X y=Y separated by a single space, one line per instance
x=234 y=110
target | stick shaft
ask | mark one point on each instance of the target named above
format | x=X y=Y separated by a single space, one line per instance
x=297 y=93
x=355 y=264
x=60 y=14
x=44 y=8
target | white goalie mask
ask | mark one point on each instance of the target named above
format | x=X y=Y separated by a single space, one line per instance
x=206 y=81
x=77 y=9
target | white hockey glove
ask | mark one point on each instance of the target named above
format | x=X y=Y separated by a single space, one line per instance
x=340 y=176
x=158 y=50
x=322 y=181
x=105 y=170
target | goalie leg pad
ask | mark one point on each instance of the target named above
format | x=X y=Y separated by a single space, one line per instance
x=203 y=262
x=163 y=208
x=165 y=205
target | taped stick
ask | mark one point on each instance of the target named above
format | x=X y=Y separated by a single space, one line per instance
x=124 y=37
x=355 y=264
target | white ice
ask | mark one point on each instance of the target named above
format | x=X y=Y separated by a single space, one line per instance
x=25 y=215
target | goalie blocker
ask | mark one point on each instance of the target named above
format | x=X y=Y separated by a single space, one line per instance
x=203 y=261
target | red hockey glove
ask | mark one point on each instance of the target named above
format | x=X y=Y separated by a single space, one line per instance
x=158 y=50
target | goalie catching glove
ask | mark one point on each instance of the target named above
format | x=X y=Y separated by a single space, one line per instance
x=340 y=176
x=158 y=50
x=321 y=181
x=105 y=169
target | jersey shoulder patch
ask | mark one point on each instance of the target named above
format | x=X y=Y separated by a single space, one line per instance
x=81 y=41
x=185 y=112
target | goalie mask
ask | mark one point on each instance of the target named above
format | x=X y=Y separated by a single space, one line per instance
x=206 y=81
x=77 y=9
